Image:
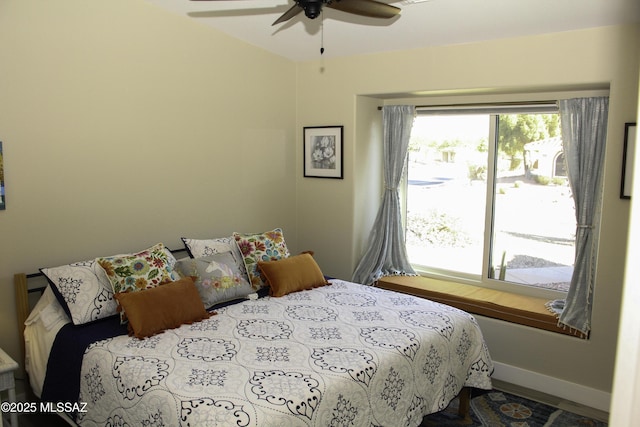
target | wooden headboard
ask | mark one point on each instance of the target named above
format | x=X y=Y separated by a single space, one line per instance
x=23 y=307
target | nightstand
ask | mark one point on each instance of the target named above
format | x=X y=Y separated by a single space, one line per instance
x=7 y=382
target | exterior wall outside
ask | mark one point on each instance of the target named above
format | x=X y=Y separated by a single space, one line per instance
x=542 y=157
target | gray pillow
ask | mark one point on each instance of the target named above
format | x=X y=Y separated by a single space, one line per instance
x=198 y=248
x=217 y=278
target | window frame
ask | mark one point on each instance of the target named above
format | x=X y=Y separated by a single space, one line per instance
x=494 y=110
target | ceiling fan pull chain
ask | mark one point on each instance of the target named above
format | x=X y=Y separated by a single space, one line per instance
x=321 y=33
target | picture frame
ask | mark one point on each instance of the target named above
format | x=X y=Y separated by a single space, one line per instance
x=322 y=152
x=628 y=154
x=3 y=203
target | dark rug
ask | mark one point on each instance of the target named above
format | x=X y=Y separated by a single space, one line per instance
x=497 y=408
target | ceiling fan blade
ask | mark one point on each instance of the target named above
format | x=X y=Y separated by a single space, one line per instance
x=370 y=8
x=237 y=12
x=293 y=11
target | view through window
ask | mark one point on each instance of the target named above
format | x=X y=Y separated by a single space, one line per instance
x=488 y=196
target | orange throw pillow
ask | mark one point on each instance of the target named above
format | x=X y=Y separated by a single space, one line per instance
x=167 y=306
x=295 y=273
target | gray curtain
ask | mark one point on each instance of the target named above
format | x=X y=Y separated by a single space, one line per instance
x=387 y=253
x=584 y=130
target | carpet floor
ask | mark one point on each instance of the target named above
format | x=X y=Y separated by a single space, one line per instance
x=497 y=408
x=488 y=409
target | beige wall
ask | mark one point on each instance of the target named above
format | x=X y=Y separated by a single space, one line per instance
x=626 y=386
x=332 y=94
x=124 y=125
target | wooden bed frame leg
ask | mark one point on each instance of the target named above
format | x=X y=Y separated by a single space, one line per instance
x=464 y=405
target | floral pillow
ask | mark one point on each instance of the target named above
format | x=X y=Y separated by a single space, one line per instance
x=267 y=246
x=217 y=278
x=143 y=270
x=83 y=290
x=198 y=248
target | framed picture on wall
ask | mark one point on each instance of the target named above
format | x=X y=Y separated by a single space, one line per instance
x=628 y=154
x=323 y=152
x=3 y=204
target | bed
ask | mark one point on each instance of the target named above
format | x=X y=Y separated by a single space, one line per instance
x=289 y=347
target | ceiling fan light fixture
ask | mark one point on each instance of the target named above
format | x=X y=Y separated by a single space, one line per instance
x=312 y=8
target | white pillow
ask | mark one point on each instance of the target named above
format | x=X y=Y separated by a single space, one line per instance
x=83 y=290
x=47 y=310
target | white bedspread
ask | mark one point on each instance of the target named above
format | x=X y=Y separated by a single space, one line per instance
x=343 y=355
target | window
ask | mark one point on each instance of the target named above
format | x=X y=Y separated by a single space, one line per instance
x=488 y=198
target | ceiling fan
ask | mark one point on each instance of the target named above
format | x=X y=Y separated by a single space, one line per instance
x=312 y=8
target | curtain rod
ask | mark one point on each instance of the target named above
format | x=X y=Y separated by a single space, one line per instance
x=484 y=104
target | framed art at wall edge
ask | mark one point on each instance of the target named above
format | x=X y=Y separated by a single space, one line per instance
x=323 y=152
x=626 y=186
x=3 y=204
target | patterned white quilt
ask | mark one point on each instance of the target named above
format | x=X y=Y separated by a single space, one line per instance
x=339 y=355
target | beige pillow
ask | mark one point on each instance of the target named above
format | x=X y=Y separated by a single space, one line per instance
x=167 y=306
x=295 y=273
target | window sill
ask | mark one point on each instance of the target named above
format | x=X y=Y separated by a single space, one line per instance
x=510 y=307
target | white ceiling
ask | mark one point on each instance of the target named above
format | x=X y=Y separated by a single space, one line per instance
x=429 y=23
